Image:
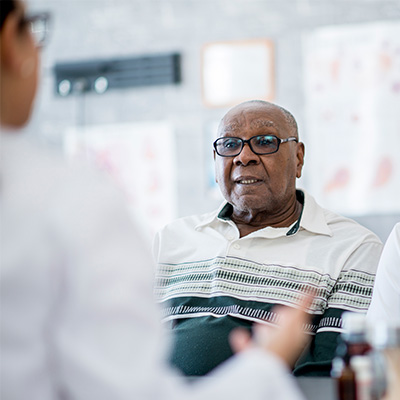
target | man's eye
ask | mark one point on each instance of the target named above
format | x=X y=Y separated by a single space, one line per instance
x=265 y=141
x=231 y=144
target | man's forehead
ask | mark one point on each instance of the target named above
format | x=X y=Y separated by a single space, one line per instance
x=229 y=127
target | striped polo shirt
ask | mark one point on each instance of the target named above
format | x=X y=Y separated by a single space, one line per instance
x=210 y=281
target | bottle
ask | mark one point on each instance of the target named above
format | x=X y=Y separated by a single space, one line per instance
x=344 y=374
x=362 y=366
x=355 y=334
x=352 y=342
x=385 y=340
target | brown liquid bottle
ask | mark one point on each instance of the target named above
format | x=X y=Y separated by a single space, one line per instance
x=352 y=342
x=344 y=374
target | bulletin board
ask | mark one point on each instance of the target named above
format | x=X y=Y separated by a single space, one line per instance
x=352 y=124
x=140 y=157
x=236 y=71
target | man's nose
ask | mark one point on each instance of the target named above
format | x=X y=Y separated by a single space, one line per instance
x=246 y=156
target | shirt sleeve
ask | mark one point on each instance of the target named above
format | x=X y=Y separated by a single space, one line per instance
x=385 y=303
x=351 y=292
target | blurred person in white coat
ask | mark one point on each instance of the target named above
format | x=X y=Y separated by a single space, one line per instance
x=385 y=303
x=78 y=319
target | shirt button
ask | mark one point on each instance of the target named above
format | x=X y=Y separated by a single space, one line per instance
x=236 y=246
x=230 y=237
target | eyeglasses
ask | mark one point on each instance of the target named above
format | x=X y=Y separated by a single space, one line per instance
x=38 y=25
x=260 y=145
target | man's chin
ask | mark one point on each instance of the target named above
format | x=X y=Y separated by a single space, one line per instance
x=248 y=203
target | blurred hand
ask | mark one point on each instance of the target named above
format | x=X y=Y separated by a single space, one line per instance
x=287 y=340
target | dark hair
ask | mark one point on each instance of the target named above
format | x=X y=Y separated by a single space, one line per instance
x=6 y=7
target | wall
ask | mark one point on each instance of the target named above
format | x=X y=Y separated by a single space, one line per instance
x=90 y=29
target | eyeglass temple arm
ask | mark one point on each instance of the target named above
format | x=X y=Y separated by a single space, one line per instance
x=289 y=140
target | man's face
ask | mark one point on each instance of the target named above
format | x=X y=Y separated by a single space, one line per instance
x=257 y=183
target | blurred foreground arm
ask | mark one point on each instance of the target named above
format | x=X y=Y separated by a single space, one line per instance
x=269 y=355
x=285 y=342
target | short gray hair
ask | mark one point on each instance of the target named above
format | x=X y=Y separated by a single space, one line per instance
x=289 y=118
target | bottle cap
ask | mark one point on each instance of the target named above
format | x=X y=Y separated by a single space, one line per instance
x=362 y=365
x=353 y=323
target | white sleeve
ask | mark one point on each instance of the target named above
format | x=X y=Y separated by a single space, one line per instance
x=252 y=375
x=108 y=342
x=385 y=303
x=106 y=325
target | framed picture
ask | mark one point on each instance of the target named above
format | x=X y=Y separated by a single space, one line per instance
x=237 y=71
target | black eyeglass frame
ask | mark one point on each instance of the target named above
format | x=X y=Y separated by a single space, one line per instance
x=248 y=141
x=31 y=19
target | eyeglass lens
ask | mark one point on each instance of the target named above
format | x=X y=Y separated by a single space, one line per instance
x=39 y=28
x=263 y=144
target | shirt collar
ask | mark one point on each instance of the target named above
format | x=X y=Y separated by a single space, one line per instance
x=312 y=217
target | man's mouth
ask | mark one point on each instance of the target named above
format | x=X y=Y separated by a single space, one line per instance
x=248 y=181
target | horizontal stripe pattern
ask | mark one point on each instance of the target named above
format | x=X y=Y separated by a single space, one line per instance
x=185 y=290
x=242 y=279
x=353 y=291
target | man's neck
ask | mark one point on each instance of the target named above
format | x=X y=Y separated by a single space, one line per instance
x=248 y=222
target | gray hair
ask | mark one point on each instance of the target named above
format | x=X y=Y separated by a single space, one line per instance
x=289 y=118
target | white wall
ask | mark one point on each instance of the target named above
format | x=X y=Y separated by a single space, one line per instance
x=93 y=29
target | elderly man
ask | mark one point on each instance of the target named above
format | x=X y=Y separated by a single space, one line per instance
x=264 y=246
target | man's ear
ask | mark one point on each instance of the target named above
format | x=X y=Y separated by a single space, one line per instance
x=300 y=158
x=10 y=45
x=215 y=166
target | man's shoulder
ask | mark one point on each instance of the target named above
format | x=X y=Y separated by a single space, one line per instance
x=348 y=227
x=338 y=225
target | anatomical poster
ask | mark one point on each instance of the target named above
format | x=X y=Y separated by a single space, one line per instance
x=352 y=124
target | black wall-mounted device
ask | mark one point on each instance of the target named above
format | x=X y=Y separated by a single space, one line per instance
x=102 y=75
